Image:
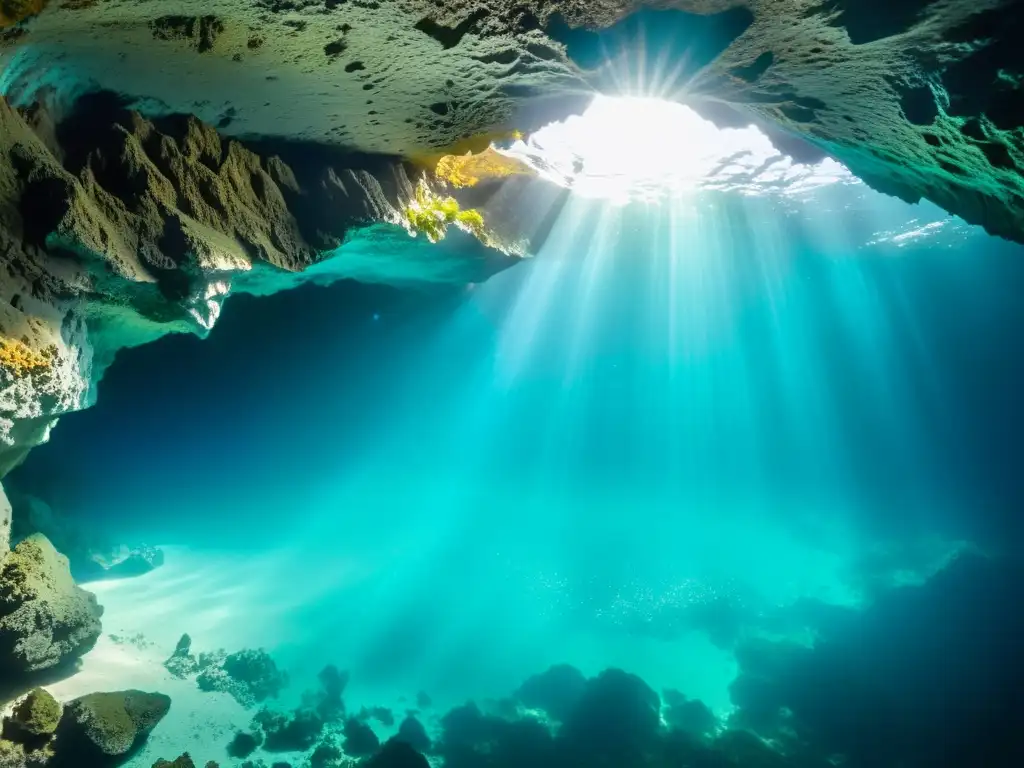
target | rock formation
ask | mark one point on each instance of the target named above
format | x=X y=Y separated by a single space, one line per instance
x=121 y=221
x=99 y=728
x=115 y=230
x=90 y=553
x=34 y=717
x=45 y=619
x=182 y=762
x=920 y=98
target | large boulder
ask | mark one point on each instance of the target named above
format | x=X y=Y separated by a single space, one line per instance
x=103 y=728
x=46 y=620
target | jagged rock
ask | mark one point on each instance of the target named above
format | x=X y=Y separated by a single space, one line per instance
x=103 y=727
x=250 y=676
x=45 y=619
x=34 y=717
x=117 y=230
x=921 y=99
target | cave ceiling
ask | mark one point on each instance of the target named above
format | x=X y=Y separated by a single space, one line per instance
x=920 y=98
x=156 y=156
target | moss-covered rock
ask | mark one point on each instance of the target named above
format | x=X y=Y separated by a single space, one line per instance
x=45 y=619
x=36 y=715
x=104 y=726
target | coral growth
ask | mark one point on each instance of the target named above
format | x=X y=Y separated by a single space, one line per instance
x=250 y=676
x=20 y=360
x=108 y=725
x=45 y=619
x=36 y=715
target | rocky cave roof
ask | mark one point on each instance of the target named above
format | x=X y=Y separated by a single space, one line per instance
x=921 y=98
x=155 y=156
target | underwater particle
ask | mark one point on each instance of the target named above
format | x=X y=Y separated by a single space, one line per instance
x=244 y=744
x=360 y=740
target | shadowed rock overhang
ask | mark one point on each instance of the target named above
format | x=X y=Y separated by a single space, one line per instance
x=156 y=156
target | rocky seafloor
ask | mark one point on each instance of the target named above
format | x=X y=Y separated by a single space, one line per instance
x=129 y=686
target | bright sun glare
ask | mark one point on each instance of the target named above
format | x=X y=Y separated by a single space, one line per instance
x=627 y=148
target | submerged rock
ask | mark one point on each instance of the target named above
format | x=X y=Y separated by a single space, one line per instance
x=412 y=732
x=326 y=755
x=35 y=717
x=91 y=554
x=45 y=619
x=296 y=732
x=250 y=676
x=244 y=744
x=397 y=754
x=101 y=727
x=360 y=740
x=182 y=663
x=182 y=762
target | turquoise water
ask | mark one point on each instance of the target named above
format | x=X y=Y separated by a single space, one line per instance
x=680 y=431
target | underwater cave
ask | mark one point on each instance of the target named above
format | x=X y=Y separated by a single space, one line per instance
x=456 y=384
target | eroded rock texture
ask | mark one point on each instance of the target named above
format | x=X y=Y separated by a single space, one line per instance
x=115 y=230
x=119 y=226
x=45 y=620
x=921 y=98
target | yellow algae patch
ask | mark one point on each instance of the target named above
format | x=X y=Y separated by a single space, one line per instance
x=432 y=214
x=476 y=144
x=20 y=360
x=13 y=11
x=470 y=169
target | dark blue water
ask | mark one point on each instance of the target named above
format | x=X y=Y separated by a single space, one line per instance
x=767 y=459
